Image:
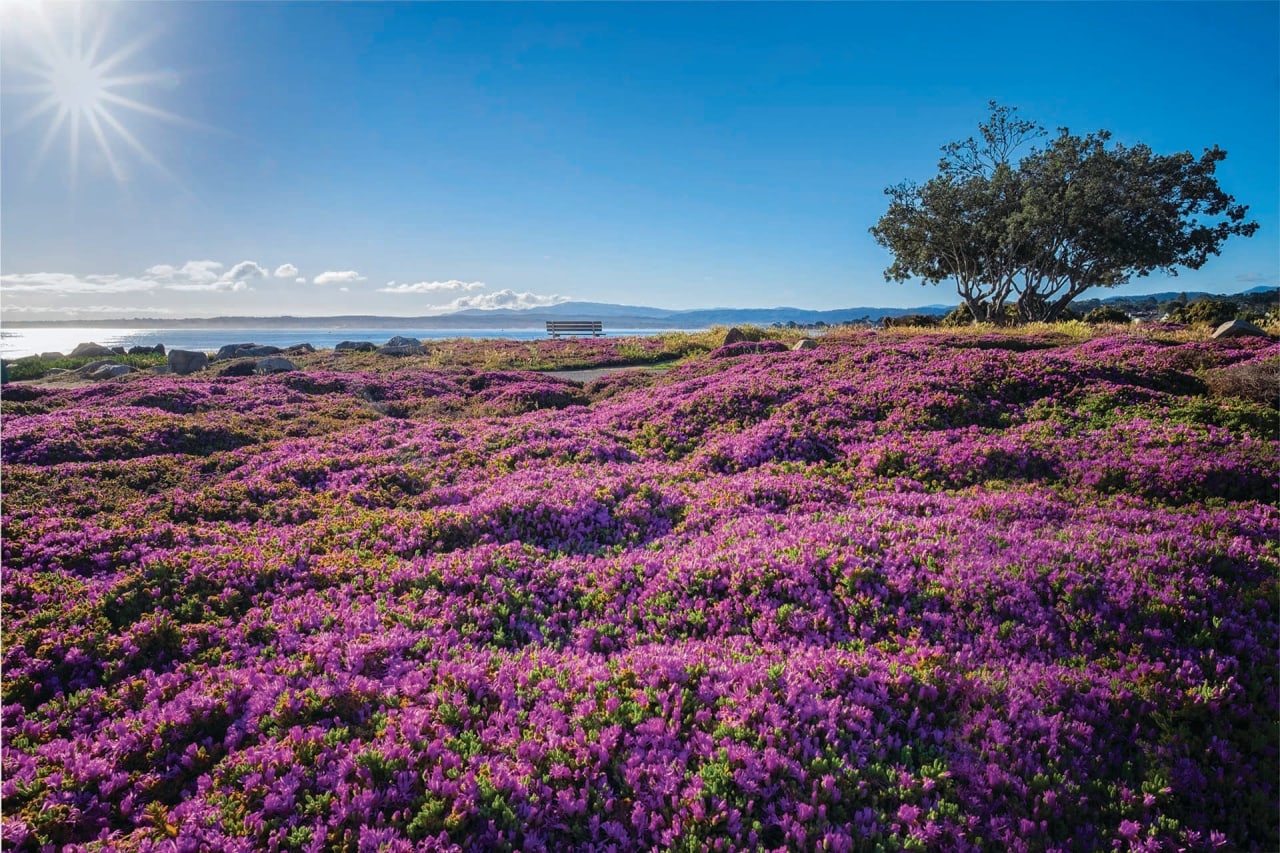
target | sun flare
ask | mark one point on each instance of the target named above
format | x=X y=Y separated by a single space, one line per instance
x=79 y=88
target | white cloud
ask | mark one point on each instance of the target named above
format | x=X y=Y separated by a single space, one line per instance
x=138 y=310
x=66 y=283
x=334 y=276
x=432 y=286
x=1255 y=278
x=505 y=299
x=191 y=272
x=286 y=271
x=300 y=280
x=219 y=286
x=193 y=276
x=244 y=271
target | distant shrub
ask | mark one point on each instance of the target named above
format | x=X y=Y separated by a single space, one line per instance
x=911 y=321
x=1107 y=314
x=1209 y=312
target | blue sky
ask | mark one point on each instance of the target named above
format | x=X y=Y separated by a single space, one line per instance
x=405 y=159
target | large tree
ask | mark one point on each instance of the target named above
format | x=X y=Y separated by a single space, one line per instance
x=1039 y=231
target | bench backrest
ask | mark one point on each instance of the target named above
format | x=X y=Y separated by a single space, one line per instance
x=571 y=327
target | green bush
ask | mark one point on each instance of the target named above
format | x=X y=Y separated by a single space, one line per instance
x=33 y=367
x=1107 y=314
x=1211 y=312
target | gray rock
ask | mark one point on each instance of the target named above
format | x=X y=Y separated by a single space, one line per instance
x=90 y=367
x=356 y=346
x=231 y=351
x=275 y=364
x=805 y=343
x=91 y=350
x=51 y=356
x=110 y=371
x=399 y=341
x=183 y=361
x=400 y=350
x=158 y=349
x=119 y=350
x=1238 y=329
x=734 y=336
x=299 y=349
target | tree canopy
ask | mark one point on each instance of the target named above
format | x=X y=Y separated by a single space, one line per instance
x=1037 y=231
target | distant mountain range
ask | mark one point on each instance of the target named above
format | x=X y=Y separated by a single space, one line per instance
x=615 y=316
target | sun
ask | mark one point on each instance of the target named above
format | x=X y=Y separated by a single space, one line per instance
x=80 y=89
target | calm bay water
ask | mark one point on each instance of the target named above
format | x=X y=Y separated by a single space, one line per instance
x=16 y=343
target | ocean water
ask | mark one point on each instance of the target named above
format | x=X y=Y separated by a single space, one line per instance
x=16 y=343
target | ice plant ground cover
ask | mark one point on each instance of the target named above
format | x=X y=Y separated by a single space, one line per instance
x=943 y=592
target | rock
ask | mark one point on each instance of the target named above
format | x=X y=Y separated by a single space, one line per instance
x=51 y=356
x=245 y=351
x=275 y=364
x=110 y=371
x=89 y=368
x=184 y=361
x=91 y=350
x=805 y=343
x=399 y=341
x=158 y=349
x=1238 y=329
x=747 y=348
x=239 y=367
x=119 y=350
x=299 y=349
x=734 y=336
x=356 y=346
x=407 y=349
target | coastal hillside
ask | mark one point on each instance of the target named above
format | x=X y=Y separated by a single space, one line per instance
x=956 y=590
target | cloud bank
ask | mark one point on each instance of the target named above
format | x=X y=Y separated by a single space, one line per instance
x=506 y=298
x=432 y=286
x=286 y=271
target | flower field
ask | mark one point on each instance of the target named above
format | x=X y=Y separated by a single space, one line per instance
x=923 y=592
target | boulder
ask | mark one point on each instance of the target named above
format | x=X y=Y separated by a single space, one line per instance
x=275 y=364
x=91 y=350
x=407 y=349
x=110 y=371
x=119 y=350
x=299 y=349
x=399 y=341
x=734 y=336
x=51 y=356
x=90 y=367
x=239 y=367
x=1238 y=329
x=356 y=346
x=183 y=361
x=230 y=350
x=158 y=349
x=805 y=343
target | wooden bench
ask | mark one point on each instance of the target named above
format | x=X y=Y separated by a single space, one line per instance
x=556 y=328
